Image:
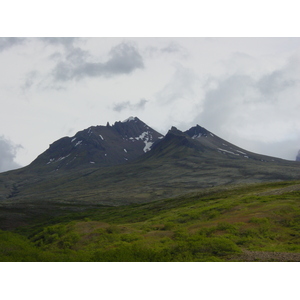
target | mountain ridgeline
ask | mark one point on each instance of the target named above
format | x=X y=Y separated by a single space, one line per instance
x=99 y=146
x=129 y=163
x=127 y=141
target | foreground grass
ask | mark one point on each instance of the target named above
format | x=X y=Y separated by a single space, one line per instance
x=234 y=224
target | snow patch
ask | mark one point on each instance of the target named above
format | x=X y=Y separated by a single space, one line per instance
x=101 y=137
x=73 y=140
x=129 y=119
x=78 y=143
x=142 y=136
x=148 y=146
x=241 y=152
x=59 y=159
x=196 y=136
x=226 y=151
x=50 y=161
x=63 y=157
x=146 y=137
x=199 y=135
x=125 y=150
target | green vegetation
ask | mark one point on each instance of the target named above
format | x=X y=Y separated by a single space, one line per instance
x=258 y=222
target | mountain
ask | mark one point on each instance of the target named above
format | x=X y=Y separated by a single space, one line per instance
x=129 y=163
x=99 y=146
x=205 y=145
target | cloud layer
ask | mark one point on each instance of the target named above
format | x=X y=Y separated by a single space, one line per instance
x=8 y=42
x=243 y=89
x=255 y=110
x=127 y=105
x=8 y=153
x=123 y=59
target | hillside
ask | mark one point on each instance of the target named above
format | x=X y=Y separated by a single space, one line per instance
x=177 y=164
x=257 y=222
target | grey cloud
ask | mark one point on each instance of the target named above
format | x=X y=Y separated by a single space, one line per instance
x=74 y=55
x=8 y=42
x=8 y=153
x=65 y=41
x=77 y=56
x=128 y=105
x=222 y=101
x=181 y=86
x=171 y=48
x=141 y=104
x=240 y=108
x=121 y=106
x=275 y=82
x=56 y=56
x=29 y=80
x=229 y=88
x=124 y=59
x=231 y=94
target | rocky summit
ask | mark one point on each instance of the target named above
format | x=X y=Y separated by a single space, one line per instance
x=100 y=146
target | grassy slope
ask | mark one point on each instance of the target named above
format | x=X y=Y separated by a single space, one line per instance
x=242 y=223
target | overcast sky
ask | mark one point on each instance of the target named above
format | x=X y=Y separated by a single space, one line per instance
x=245 y=90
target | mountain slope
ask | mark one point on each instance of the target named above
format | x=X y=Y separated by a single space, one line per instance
x=249 y=223
x=99 y=146
x=179 y=163
x=205 y=145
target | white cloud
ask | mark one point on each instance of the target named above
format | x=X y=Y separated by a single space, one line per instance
x=8 y=152
x=180 y=86
x=243 y=89
x=243 y=108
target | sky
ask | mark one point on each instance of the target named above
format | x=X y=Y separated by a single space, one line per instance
x=229 y=67
x=245 y=90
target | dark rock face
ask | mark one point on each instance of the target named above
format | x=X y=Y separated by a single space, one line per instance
x=205 y=145
x=196 y=132
x=100 y=146
x=298 y=156
x=111 y=145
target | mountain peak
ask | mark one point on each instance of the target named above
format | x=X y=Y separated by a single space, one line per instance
x=130 y=119
x=197 y=131
x=100 y=146
x=174 y=130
